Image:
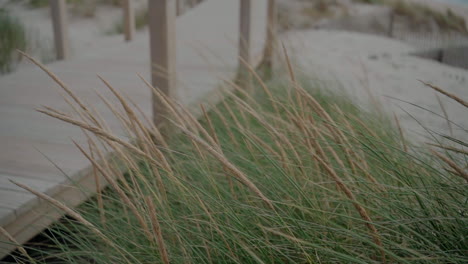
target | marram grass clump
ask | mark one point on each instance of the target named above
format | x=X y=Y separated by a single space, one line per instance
x=12 y=37
x=285 y=174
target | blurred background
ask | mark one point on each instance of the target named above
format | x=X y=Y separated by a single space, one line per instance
x=433 y=26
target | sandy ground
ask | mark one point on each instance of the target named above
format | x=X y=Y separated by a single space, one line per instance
x=376 y=68
x=458 y=8
x=85 y=33
x=360 y=63
x=93 y=33
x=348 y=15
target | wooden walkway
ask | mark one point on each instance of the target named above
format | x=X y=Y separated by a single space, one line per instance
x=32 y=145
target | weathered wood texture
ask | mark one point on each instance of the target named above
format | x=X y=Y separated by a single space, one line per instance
x=58 y=13
x=129 y=19
x=162 y=33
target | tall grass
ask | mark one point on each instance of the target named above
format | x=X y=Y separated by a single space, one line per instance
x=286 y=173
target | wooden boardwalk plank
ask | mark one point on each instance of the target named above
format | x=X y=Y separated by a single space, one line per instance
x=32 y=144
x=37 y=184
x=20 y=202
x=36 y=159
x=7 y=215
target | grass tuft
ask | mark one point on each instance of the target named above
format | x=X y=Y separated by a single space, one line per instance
x=12 y=37
x=287 y=173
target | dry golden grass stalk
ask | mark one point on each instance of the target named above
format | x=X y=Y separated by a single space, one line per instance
x=237 y=173
x=164 y=99
x=101 y=122
x=301 y=125
x=134 y=169
x=132 y=190
x=21 y=249
x=243 y=93
x=141 y=132
x=449 y=95
x=249 y=250
x=262 y=84
x=229 y=109
x=362 y=212
x=444 y=111
x=144 y=141
x=130 y=166
x=283 y=157
x=125 y=123
x=100 y=133
x=119 y=191
x=278 y=121
x=331 y=125
x=459 y=171
x=400 y=130
x=365 y=170
x=289 y=237
x=157 y=230
x=311 y=136
x=288 y=63
x=210 y=125
x=205 y=245
x=296 y=87
x=351 y=130
x=454 y=149
x=68 y=211
x=97 y=181
x=62 y=85
x=216 y=139
x=335 y=155
x=227 y=127
x=270 y=129
x=194 y=126
x=153 y=129
x=363 y=125
x=262 y=143
x=215 y=225
x=198 y=127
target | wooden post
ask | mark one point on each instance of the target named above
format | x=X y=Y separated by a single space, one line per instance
x=179 y=7
x=162 y=18
x=271 y=34
x=129 y=19
x=244 y=34
x=244 y=43
x=58 y=10
x=391 y=24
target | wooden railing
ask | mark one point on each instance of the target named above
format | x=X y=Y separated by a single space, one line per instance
x=162 y=49
x=162 y=31
x=58 y=11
